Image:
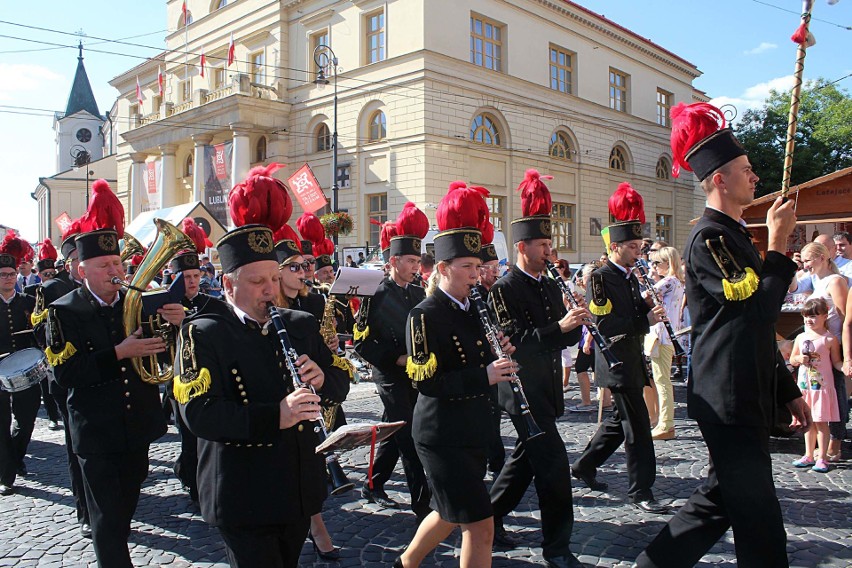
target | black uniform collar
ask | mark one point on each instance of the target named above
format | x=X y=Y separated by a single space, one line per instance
x=724 y=219
x=449 y=301
x=526 y=276
x=618 y=269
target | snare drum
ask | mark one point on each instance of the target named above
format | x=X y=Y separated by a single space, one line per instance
x=23 y=369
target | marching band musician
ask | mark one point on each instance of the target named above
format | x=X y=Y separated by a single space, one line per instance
x=15 y=311
x=734 y=299
x=380 y=340
x=529 y=306
x=113 y=414
x=452 y=365
x=616 y=301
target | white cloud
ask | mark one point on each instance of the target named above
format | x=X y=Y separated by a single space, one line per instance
x=754 y=96
x=762 y=48
x=19 y=77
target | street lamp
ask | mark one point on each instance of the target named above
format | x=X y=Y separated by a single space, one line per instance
x=82 y=158
x=325 y=58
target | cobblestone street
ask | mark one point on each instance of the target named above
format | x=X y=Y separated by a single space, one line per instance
x=38 y=528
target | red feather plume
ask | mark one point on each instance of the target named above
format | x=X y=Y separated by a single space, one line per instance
x=325 y=246
x=462 y=206
x=105 y=210
x=387 y=233
x=261 y=198
x=690 y=125
x=17 y=247
x=535 y=197
x=286 y=232
x=310 y=227
x=47 y=251
x=412 y=221
x=73 y=229
x=136 y=259
x=196 y=234
x=626 y=204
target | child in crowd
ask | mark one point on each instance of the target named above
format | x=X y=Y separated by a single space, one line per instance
x=816 y=352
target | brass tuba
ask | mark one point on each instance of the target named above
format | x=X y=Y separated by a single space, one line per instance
x=169 y=241
x=131 y=247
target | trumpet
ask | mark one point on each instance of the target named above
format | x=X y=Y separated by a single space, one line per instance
x=339 y=482
x=602 y=342
x=490 y=329
x=643 y=272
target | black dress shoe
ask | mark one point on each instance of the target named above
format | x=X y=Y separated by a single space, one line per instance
x=503 y=538
x=589 y=480
x=652 y=506
x=567 y=561
x=6 y=489
x=86 y=530
x=22 y=469
x=398 y=562
x=379 y=497
x=332 y=555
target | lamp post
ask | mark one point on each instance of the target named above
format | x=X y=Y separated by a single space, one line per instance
x=81 y=160
x=325 y=58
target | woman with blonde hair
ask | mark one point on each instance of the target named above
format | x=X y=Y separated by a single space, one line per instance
x=666 y=265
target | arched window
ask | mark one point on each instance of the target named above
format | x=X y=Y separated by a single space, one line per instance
x=218 y=4
x=378 y=127
x=187 y=167
x=323 y=137
x=181 y=22
x=560 y=147
x=484 y=130
x=260 y=150
x=617 y=160
x=664 y=168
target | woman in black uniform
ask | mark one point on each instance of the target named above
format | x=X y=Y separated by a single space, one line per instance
x=452 y=365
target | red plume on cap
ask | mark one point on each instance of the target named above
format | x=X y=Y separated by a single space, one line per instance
x=462 y=206
x=47 y=251
x=626 y=204
x=310 y=228
x=412 y=221
x=105 y=210
x=325 y=246
x=387 y=233
x=17 y=247
x=535 y=197
x=690 y=125
x=73 y=229
x=284 y=233
x=196 y=233
x=136 y=259
x=261 y=198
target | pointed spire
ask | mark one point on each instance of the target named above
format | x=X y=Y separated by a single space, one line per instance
x=81 y=97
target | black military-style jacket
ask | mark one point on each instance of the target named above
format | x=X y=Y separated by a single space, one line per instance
x=202 y=304
x=250 y=472
x=110 y=408
x=57 y=287
x=529 y=311
x=15 y=316
x=313 y=303
x=627 y=323
x=734 y=373
x=453 y=408
x=386 y=318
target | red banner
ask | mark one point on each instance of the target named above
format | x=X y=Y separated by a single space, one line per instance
x=307 y=189
x=63 y=221
x=220 y=161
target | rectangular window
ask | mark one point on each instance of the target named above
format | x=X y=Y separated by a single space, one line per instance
x=156 y=101
x=664 y=228
x=377 y=209
x=617 y=90
x=218 y=75
x=562 y=226
x=317 y=39
x=375 y=40
x=486 y=43
x=497 y=211
x=185 y=91
x=257 y=64
x=561 y=70
x=664 y=105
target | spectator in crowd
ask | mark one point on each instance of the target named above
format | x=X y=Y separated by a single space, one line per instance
x=427 y=265
x=206 y=264
x=843 y=254
x=361 y=258
x=349 y=262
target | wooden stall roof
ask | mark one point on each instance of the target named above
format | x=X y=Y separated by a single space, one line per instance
x=826 y=199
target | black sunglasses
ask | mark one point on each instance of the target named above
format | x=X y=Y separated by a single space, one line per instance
x=295 y=266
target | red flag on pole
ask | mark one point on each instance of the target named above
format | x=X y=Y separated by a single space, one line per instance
x=139 y=96
x=307 y=189
x=183 y=11
x=203 y=61
x=231 y=50
x=160 y=81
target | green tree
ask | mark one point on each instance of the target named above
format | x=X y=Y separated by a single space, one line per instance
x=823 y=137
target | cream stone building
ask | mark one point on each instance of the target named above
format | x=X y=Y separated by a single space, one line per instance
x=427 y=92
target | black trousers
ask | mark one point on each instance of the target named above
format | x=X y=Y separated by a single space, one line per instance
x=496 y=451
x=15 y=435
x=398 y=399
x=276 y=546
x=50 y=404
x=113 y=483
x=186 y=464
x=544 y=460
x=78 y=490
x=628 y=424
x=739 y=493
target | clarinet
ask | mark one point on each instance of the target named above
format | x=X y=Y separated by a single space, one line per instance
x=338 y=478
x=600 y=340
x=517 y=389
x=643 y=272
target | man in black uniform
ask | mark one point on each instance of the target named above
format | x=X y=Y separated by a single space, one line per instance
x=487 y=278
x=113 y=415
x=734 y=299
x=614 y=298
x=15 y=311
x=380 y=340
x=530 y=309
x=259 y=478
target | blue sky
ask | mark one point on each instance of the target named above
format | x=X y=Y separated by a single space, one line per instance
x=743 y=48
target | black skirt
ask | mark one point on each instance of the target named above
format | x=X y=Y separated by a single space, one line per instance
x=456 y=478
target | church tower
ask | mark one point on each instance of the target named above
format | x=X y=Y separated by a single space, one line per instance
x=79 y=130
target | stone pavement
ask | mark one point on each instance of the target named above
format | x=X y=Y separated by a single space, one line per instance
x=38 y=528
